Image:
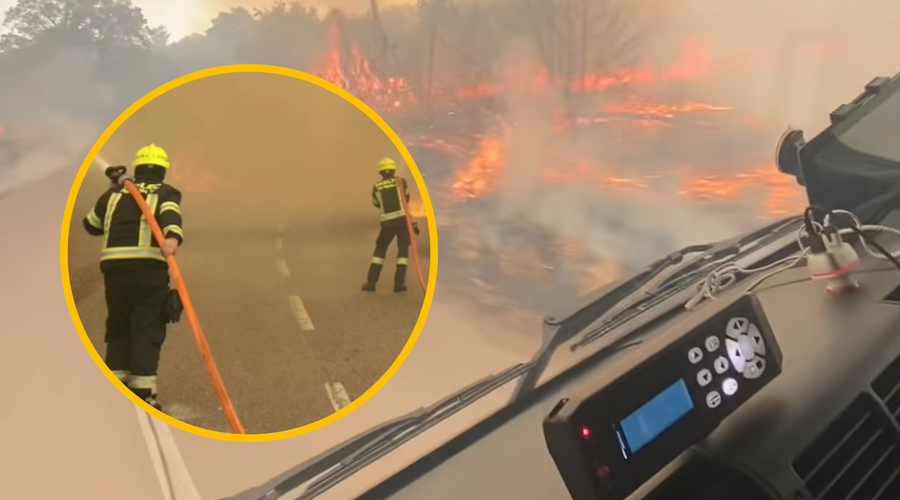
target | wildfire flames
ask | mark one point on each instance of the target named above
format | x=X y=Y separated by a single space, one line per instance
x=417 y=209
x=382 y=94
x=483 y=159
x=192 y=174
x=779 y=193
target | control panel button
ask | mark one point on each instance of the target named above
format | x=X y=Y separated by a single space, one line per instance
x=747 y=347
x=695 y=355
x=713 y=399
x=734 y=354
x=755 y=368
x=704 y=377
x=737 y=327
x=720 y=365
x=712 y=343
x=729 y=386
x=759 y=344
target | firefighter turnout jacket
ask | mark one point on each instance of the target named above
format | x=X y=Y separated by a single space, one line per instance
x=386 y=197
x=127 y=237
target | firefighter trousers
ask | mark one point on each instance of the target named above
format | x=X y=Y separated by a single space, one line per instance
x=389 y=231
x=136 y=327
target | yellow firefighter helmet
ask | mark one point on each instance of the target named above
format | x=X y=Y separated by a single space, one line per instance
x=387 y=165
x=151 y=155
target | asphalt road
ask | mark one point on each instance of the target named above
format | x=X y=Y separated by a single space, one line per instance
x=64 y=426
x=294 y=337
x=64 y=420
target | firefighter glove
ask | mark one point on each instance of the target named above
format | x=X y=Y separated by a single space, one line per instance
x=415 y=226
x=174 y=307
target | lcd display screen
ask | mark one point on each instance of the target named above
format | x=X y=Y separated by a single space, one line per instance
x=656 y=416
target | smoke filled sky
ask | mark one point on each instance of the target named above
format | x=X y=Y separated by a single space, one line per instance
x=185 y=17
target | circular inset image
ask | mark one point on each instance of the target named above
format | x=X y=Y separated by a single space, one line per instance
x=249 y=252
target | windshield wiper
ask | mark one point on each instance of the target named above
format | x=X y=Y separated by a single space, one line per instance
x=679 y=278
x=330 y=468
x=634 y=295
x=576 y=323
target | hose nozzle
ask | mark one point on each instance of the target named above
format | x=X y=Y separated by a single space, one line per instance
x=116 y=173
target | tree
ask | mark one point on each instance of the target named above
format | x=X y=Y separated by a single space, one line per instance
x=287 y=34
x=575 y=36
x=431 y=12
x=109 y=24
x=159 y=37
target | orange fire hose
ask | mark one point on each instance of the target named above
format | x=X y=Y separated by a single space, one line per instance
x=412 y=236
x=224 y=400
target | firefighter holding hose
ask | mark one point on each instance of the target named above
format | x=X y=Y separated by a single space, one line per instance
x=386 y=195
x=135 y=273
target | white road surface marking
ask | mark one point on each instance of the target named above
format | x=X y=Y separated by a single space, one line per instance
x=337 y=394
x=283 y=268
x=300 y=314
x=174 y=478
x=278 y=244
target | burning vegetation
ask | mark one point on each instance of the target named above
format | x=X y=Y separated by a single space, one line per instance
x=590 y=107
x=622 y=97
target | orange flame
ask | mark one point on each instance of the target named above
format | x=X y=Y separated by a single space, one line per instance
x=483 y=170
x=382 y=94
x=783 y=195
x=779 y=193
x=637 y=106
x=192 y=175
x=417 y=209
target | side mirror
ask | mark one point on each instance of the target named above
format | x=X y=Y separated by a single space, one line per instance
x=787 y=154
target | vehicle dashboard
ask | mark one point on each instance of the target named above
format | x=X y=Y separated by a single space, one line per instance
x=824 y=426
x=784 y=393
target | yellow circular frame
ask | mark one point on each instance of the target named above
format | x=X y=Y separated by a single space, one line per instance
x=249 y=68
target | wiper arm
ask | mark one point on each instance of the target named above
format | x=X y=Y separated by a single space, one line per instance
x=683 y=276
x=332 y=467
x=635 y=292
x=574 y=324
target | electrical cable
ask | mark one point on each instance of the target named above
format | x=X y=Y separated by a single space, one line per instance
x=807 y=237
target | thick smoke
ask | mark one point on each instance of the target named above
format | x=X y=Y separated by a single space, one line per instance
x=790 y=63
x=51 y=111
x=787 y=62
x=807 y=57
x=41 y=147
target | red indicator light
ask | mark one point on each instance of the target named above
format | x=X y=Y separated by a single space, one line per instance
x=603 y=472
x=585 y=432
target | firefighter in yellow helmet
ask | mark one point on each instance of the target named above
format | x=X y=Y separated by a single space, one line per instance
x=135 y=273
x=386 y=197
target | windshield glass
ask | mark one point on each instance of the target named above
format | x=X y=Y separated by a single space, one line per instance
x=540 y=203
x=566 y=147
x=875 y=133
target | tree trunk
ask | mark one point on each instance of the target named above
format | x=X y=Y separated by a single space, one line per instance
x=429 y=81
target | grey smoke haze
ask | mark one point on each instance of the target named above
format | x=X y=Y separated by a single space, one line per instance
x=767 y=61
x=788 y=63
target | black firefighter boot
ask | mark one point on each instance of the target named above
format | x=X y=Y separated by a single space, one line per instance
x=374 y=273
x=149 y=396
x=400 y=279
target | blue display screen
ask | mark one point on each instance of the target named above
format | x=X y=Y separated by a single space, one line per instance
x=657 y=415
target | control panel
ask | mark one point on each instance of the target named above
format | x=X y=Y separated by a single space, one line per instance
x=606 y=444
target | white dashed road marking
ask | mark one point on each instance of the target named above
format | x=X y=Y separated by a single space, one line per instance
x=283 y=268
x=337 y=394
x=278 y=244
x=300 y=313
